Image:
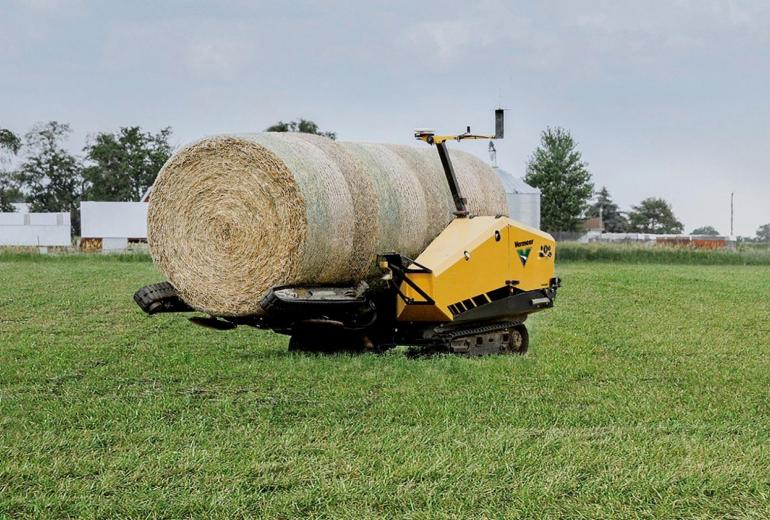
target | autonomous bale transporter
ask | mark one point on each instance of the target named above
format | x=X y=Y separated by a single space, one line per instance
x=469 y=292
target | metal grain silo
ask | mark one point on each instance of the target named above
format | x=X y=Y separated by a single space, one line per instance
x=523 y=199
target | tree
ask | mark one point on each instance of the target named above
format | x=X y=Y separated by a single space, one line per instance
x=123 y=165
x=9 y=145
x=763 y=233
x=705 y=230
x=9 y=141
x=50 y=176
x=557 y=169
x=8 y=193
x=654 y=215
x=304 y=126
x=613 y=219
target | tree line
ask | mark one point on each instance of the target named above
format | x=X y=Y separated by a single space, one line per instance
x=557 y=169
x=114 y=166
x=118 y=166
x=36 y=168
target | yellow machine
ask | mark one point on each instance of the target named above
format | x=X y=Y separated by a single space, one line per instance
x=468 y=293
x=471 y=264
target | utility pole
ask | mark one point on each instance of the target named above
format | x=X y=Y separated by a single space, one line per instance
x=732 y=213
x=601 y=217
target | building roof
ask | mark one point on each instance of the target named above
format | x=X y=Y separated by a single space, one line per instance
x=514 y=184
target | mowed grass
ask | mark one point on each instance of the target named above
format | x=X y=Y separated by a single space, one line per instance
x=646 y=393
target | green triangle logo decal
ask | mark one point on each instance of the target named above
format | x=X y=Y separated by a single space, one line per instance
x=524 y=255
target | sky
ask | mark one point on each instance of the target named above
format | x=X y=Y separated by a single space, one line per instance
x=665 y=98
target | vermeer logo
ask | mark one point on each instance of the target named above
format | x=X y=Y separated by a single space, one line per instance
x=546 y=251
x=522 y=244
x=524 y=253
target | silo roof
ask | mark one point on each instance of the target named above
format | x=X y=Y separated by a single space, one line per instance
x=514 y=184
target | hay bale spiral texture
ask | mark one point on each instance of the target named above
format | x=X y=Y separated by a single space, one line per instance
x=232 y=216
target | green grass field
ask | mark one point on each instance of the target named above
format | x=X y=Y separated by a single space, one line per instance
x=646 y=393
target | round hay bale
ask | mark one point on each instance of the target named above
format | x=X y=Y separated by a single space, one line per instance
x=232 y=216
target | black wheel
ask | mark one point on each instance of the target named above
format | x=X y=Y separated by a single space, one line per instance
x=325 y=341
x=518 y=341
x=299 y=343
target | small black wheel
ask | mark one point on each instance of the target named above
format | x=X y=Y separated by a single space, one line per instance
x=518 y=341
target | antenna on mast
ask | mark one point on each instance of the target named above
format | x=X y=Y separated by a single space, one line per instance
x=430 y=137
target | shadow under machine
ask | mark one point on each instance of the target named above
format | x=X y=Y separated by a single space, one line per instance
x=469 y=292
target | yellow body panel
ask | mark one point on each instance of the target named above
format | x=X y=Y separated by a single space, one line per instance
x=468 y=260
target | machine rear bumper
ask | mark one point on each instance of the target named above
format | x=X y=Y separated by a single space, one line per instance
x=519 y=304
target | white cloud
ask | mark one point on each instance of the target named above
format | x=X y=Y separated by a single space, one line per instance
x=49 y=6
x=218 y=54
x=449 y=40
x=198 y=47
